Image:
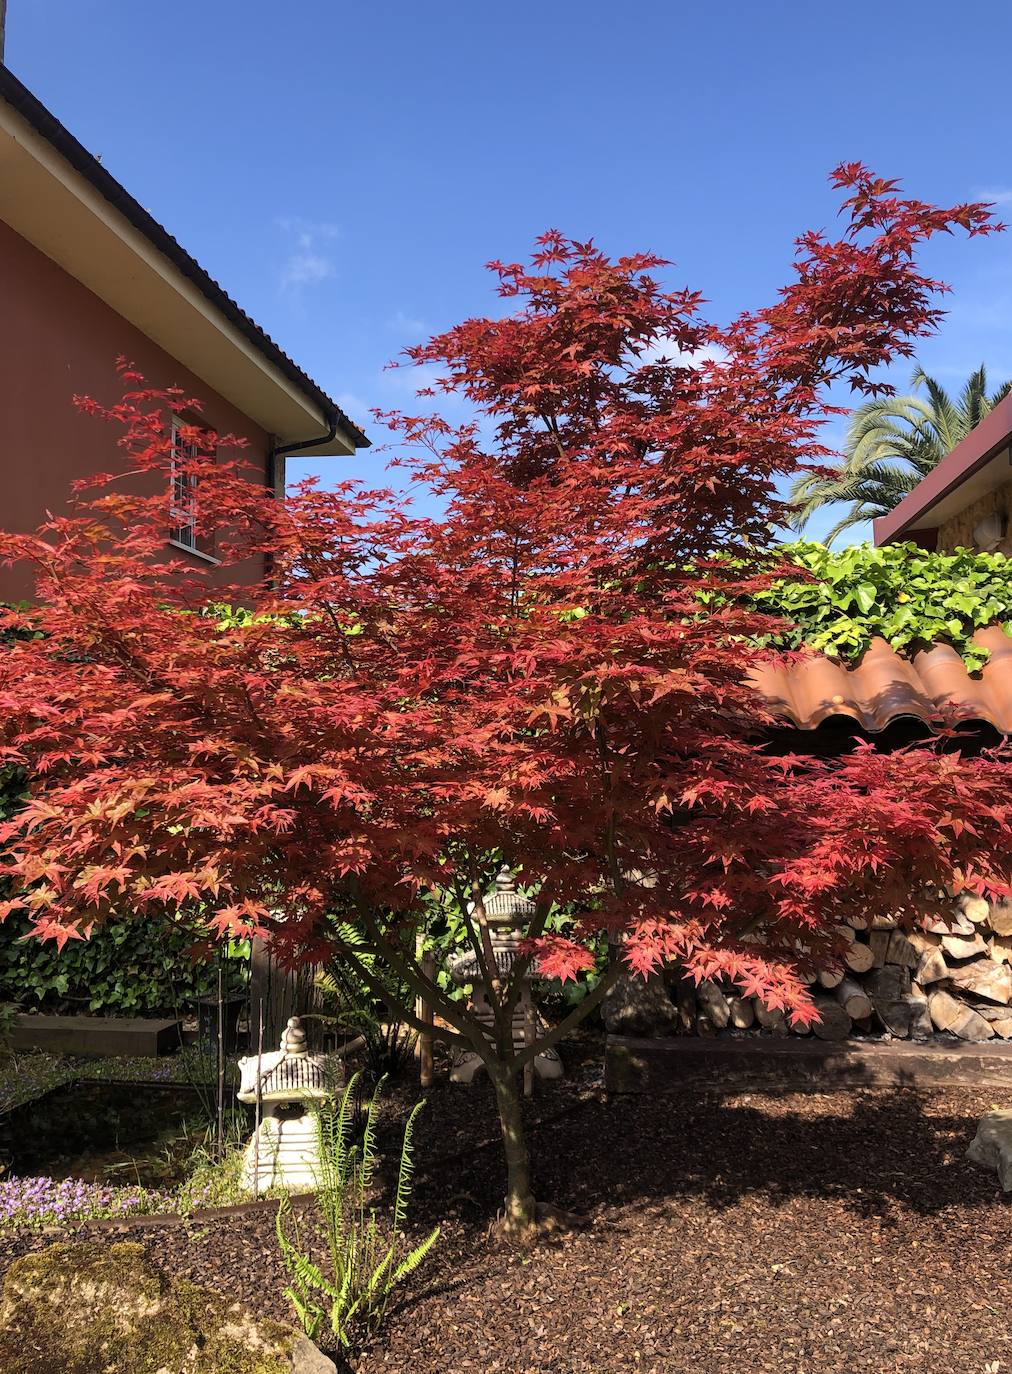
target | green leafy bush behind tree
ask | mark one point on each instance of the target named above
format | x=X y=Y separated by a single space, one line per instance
x=125 y=969
x=900 y=593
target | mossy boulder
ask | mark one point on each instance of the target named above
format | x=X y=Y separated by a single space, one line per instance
x=88 y=1308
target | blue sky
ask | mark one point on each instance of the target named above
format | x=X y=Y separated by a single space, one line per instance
x=346 y=169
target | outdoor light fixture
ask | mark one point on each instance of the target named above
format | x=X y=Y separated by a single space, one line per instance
x=989 y=532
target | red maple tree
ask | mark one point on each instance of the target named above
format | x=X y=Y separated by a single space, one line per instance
x=527 y=676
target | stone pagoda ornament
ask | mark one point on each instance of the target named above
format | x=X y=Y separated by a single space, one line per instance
x=284 y=1152
x=509 y=914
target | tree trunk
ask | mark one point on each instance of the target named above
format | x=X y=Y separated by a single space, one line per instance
x=521 y=1216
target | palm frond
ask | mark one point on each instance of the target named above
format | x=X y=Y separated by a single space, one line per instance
x=892 y=442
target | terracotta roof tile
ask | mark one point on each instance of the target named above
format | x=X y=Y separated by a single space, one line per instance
x=884 y=686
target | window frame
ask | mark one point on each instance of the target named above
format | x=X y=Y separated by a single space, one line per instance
x=182 y=500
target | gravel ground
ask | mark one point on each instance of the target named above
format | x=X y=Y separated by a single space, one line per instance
x=838 y=1233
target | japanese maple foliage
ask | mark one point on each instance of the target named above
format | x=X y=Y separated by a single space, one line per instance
x=529 y=676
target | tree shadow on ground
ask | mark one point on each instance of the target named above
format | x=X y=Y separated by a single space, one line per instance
x=879 y=1152
x=876 y=1151
x=663 y=1165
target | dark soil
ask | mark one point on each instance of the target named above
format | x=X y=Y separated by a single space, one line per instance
x=838 y=1233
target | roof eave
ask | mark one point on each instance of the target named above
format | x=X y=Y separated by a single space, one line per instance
x=318 y=408
x=918 y=510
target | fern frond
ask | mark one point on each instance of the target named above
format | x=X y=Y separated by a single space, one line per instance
x=363 y=1252
x=411 y=1261
x=309 y=1314
x=406 y=1171
x=343 y=1128
x=369 y=1136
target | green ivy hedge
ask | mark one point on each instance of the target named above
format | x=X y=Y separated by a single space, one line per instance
x=899 y=593
x=130 y=968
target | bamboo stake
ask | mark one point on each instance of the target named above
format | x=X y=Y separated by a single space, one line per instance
x=530 y=1033
x=220 y=1104
x=259 y=1105
x=424 y=1012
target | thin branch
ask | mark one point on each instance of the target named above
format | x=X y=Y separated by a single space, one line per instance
x=494 y=986
x=579 y=1012
x=403 y=1013
x=414 y=978
x=614 y=868
x=472 y=934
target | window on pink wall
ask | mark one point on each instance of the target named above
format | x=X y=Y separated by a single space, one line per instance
x=183 y=529
x=183 y=500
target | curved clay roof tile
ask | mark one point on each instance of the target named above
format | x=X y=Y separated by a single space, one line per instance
x=884 y=686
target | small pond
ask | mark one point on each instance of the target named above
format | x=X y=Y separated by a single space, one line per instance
x=116 y=1133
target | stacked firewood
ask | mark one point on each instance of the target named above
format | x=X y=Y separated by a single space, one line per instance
x=952 y=977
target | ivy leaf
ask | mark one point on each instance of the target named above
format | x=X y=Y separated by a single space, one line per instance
x=864 y=595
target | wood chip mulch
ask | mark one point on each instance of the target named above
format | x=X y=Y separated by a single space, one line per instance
x=803 y=1233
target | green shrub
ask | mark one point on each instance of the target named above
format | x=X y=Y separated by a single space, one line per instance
x=901 y=593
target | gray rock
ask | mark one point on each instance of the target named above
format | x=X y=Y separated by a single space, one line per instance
x=308 y=1358
x=991 y=1147
x=84 y=1307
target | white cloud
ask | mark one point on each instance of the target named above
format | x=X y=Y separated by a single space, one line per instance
x=997 y=195
x=406 y=326
x=665 y=347
x=308 y=263
x=352 y=403
x=410 y=378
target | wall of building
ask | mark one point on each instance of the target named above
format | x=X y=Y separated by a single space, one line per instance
x=957 y=533
x=58 y=340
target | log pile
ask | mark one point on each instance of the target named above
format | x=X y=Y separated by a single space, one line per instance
x=949 y=978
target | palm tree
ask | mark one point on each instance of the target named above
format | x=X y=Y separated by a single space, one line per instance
x=891 y=444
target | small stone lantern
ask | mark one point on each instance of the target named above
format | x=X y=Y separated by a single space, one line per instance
x=509 y=914
x=284 y=1152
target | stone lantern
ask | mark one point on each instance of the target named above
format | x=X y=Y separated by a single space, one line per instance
x=284 y=1152
x=509 y=914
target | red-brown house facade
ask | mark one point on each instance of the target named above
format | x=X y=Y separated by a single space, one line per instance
x=86 y=276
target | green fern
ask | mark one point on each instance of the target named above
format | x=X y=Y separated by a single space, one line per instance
x=407 y=1169
x=367 y=1260
x=413 y=1259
